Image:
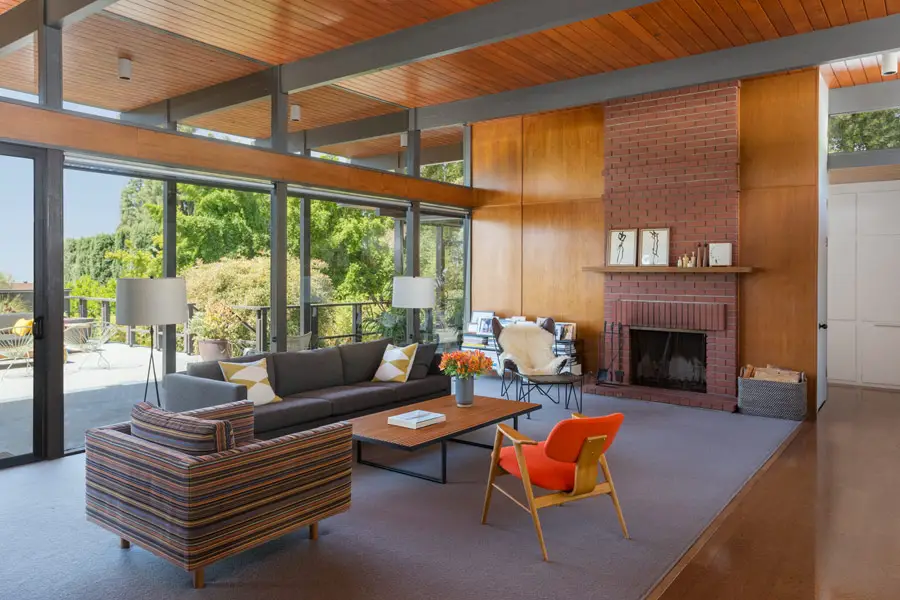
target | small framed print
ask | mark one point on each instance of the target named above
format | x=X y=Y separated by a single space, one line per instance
x=622 y=248
x=565 y=331
x=484 y=326
x=655 y=247
x=720 y=255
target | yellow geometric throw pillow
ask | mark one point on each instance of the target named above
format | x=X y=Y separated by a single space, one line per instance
x=396 y=363
x=255 y=376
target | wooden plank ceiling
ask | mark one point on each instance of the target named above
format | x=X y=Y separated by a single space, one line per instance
x=319 y=107
x=654 y=32
x=389 y=144
x=163 y=65
x=855 y=71
x=216 y=40
x=5 y=5
x=279 y=31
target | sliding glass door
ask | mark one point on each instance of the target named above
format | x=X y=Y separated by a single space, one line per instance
x=18 y=442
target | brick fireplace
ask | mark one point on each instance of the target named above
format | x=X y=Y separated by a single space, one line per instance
x=672 y=161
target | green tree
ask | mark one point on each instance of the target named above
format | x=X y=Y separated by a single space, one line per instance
x=858 y=132
x=451 y=172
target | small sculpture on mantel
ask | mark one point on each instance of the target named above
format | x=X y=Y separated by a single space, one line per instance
x=680 y=263
x=693 y=262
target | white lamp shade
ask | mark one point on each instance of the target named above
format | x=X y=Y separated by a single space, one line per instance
x=151 y=301
x=413 y=292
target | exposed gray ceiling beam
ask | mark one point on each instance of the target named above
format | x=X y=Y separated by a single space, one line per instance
x=864 y=98
x=870 y=158
x=361 y=129
x=486 y=24
x=396 y=161
x=18 y=23
x=793 y=52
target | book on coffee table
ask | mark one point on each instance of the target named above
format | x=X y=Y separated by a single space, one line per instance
x=416 y=419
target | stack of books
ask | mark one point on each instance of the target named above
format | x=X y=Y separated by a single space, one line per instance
x=416 y=419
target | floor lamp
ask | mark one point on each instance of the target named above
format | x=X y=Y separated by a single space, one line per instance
x=413 y=293
x=152 y=302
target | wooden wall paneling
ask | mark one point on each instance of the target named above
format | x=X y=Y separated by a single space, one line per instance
x=557 y=240
x=779 y=222
x=37 y=126
x=563 y=155
x=497 y=161
x=497 y=259
x=779 y=125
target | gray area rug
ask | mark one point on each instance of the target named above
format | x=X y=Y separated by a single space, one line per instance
x=675 y=468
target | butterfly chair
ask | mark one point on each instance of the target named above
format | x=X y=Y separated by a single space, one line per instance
x=526 y=349
x=566 y=464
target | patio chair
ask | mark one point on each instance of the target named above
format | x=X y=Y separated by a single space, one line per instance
x=566 y=464
x=90 y=339
x=16 y=343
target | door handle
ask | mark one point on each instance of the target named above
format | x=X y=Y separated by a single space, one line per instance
x=37 y=328
x=823 y=325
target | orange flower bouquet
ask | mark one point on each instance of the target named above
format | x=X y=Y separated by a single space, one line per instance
x=465 y=366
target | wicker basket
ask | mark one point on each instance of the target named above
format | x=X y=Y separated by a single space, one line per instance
x=772 y=398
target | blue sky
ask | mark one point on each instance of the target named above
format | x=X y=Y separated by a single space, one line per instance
x=91 y=205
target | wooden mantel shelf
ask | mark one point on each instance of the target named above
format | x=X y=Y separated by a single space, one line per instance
x=684 y=270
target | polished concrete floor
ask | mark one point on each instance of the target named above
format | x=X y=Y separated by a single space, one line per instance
x=821 y=522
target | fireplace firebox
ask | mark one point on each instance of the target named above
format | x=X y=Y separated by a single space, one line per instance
x=668 y=359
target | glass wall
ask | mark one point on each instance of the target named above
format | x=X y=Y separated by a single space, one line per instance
x=352 y=265
x=113 y=228
x=442 y=256
x=16 y=309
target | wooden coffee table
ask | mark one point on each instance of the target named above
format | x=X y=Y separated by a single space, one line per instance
x=374 y=428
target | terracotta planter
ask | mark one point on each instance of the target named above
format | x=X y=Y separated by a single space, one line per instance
x=214 y=349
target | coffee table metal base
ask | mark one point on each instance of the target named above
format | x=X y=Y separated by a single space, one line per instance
x=443 y=478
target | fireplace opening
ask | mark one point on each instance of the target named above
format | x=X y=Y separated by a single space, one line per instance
x=674 y=360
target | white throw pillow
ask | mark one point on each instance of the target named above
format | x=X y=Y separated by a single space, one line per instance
x=255 y=376
x=396 y=363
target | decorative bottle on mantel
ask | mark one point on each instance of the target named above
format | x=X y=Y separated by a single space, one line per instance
x=693 y=262
x=680 y=263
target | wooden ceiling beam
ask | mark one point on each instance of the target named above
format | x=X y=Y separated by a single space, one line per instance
x=36 y=126
x=486 y=24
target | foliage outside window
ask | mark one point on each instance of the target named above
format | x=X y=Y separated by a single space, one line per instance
x=859 y=132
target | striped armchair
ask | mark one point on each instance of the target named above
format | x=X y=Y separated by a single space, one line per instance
x=196 y=510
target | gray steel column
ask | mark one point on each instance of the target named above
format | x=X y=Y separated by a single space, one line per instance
x=413 y=145
x=170 y=210
x=412 y=265
x=398 y=246
x=278 y=223
x=49 y=430
x=439 y=251
x=278 y=274
x=467 y=155
x=467 y=269
x=305 y=266
x=279 y=114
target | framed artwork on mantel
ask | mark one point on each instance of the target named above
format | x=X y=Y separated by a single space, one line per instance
x=622 y=248
x=655 y=247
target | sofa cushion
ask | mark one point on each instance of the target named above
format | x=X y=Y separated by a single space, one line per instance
x=422 y=362
x=186 y=434
x=254 y=376
x=348 y=399
x=360 y=361
x=293 y=410
x=210 y=369
x=417 y=388
x=297 y=372
x=396 y=363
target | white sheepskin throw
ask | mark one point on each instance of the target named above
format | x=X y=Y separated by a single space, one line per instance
x=531 y=348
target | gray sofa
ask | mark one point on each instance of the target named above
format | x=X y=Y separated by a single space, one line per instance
x=317 y=386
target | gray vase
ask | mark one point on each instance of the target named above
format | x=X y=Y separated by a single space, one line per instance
x=465 y=392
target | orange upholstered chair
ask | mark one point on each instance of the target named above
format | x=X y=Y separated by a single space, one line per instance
x=566 y=463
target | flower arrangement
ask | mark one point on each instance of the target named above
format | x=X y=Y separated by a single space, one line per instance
x=466 y=364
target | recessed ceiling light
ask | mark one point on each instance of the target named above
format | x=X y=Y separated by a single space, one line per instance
x=124 y=68
x=889 y=63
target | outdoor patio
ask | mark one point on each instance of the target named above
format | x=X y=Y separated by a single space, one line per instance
x=94 y=394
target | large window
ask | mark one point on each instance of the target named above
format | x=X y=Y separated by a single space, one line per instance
x=16 y=309
x=442 y=256
x=859 y=132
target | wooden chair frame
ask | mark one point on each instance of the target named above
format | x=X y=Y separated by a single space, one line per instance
x=590 y=458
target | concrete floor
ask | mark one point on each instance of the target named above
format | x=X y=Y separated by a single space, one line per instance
x=94 y=394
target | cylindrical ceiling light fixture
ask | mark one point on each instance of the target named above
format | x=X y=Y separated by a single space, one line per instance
x=404 y=139
x=124 y=68
x=295 y=112
x=889 y=63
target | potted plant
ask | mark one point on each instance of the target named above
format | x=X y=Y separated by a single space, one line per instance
x=464 y=366
x=216 y=326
